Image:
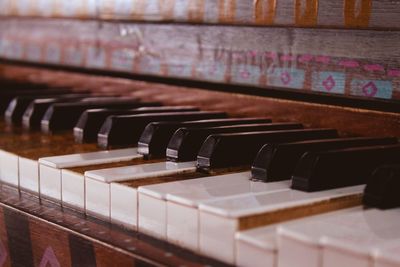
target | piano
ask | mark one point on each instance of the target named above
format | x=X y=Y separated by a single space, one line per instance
x=199 y=133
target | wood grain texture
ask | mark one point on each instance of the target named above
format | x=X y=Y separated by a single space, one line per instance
x=300 y=60
x=300 y=211
x=349 y=121
x=34 y=145
x=50 y=249
x=4 y=250
x=19 y=241
x=382 y=14
x=67 y=237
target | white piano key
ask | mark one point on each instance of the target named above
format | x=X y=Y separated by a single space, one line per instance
x=387 y=255
x=29 y=175
x=124 y=205
x=97 y=198
x=346 y=239
x=354 y=238
x=183 y=213
x=50 y=183
x=126 y=173
x=9 y=168
x=259 y=246
x=73 y=189
x=99 y=204
x=153 y=199
x=220 y=220
x=91 y=158
x=51 y=173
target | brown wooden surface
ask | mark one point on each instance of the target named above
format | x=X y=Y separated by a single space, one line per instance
x=299 y=211
x=349 y=121
x=83 y=169
x=74 y=240
x=305 y=13
x=34 y=145
x=301 y=60
x=98 y=240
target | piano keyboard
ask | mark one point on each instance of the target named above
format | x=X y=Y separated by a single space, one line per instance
x=199 y=179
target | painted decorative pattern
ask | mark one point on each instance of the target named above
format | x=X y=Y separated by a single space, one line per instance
x=346 y=62
x=323 y=13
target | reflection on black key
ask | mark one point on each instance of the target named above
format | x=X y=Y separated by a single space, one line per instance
x=155 y=138
x=276 y=162
x=186 y=142
x=339 y=168
x=230 y=150
x=383 y=187
x=64 y=116
x=126 y=130
x=19 y=105
x=6 y=97
x=36 y=110
x=91 y=120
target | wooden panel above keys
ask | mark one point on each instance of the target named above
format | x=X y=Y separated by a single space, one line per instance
x=349 y=121
x=315 y=13
x=296 y=60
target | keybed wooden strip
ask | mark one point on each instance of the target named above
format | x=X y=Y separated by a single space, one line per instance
x=308 y=13
x=372 y=70
x=62 y=236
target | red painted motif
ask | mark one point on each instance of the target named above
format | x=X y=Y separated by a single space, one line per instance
x=329 y=83
x=49 y=259
x=285 y=78
x=370 y=89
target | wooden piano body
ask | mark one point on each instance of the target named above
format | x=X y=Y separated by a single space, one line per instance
x=324 y=63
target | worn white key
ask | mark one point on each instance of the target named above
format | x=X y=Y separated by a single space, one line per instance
x=52 y=170
x=153 y=199
x=341 y=240
x=183 y=213
x=73 y=189
x=259 y=246
x=9 y=168
x=29 y=175
x=221 y=219
x=349 y=247
x=387 y=255
x=98 y=188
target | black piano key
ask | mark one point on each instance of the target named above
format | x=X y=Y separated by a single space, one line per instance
x=155 y=138
x=383 y=187
x=90 y=122
x=19 y=105
x=276 y=162
x=7 y=96
x=126 y=130
x=230 y=150
x=35 y=111
x=64 y=116
x=186 y=142
x=323 y=170
x=12 y=85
